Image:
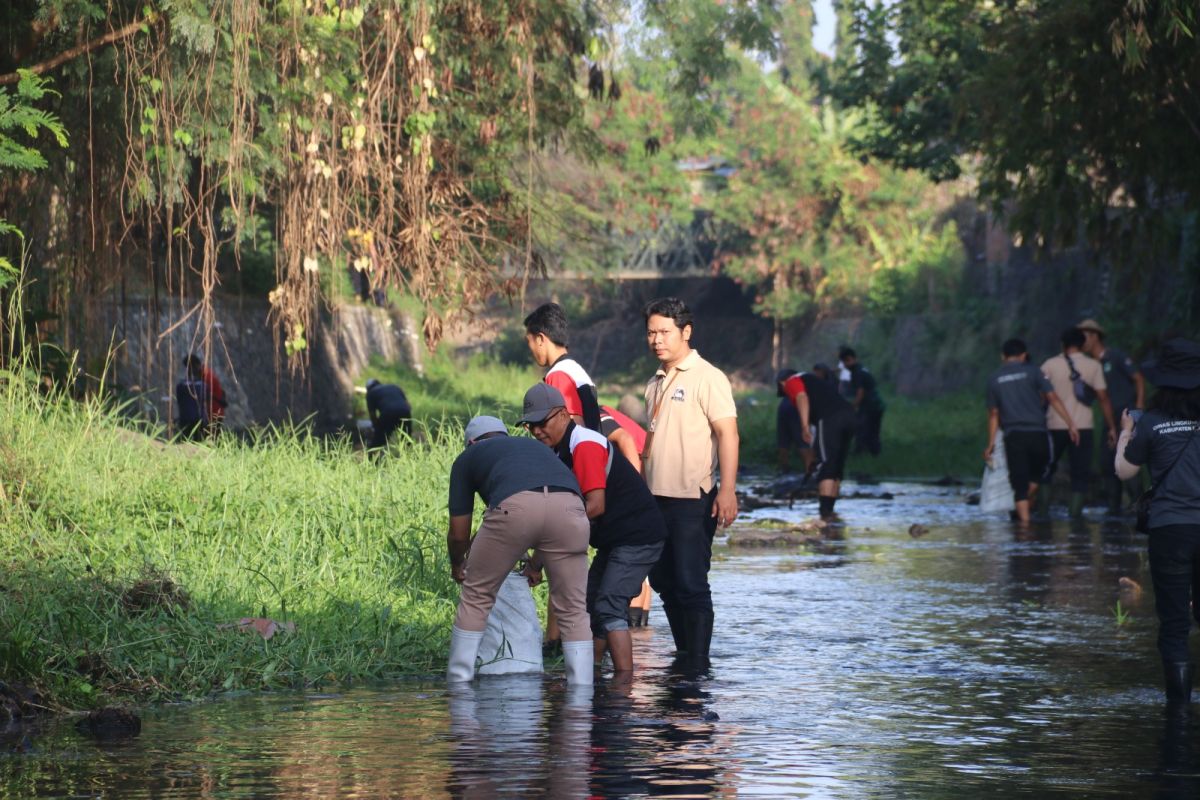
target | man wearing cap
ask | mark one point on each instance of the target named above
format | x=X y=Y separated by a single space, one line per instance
x=692 y=434
x=533 y=501
x=389 y=409
x=627 y=528
x=1126 y=389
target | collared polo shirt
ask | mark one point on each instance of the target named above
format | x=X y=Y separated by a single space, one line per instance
x=683 y=445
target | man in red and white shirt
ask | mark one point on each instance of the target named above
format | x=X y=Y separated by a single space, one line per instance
x=546 y=333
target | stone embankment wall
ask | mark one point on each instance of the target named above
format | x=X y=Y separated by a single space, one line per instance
x=150 y=344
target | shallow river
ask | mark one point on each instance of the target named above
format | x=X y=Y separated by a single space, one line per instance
x=970 y=660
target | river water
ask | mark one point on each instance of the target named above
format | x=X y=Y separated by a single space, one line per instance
x=971 y=660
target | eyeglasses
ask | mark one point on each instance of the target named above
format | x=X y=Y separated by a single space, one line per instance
x=534 y=426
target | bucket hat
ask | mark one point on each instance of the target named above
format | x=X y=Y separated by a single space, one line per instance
x=1177 y=365
x=1090 y=325
x=540 y=402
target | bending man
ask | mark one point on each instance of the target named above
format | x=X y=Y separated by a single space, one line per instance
x=533 y=501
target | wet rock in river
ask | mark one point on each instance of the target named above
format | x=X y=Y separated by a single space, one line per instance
x=776 y=533
x=917 y=530
x=110 y=723
x=18 y=701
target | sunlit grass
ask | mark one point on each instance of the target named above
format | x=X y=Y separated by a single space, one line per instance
x=292 y=528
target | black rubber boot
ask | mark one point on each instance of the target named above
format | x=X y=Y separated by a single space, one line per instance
x=1113 y=491
x=825 y=506
x=1177 y=677
x=675 y=618
x=699 y=625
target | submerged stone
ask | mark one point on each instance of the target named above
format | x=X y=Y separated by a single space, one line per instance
x=110 y=723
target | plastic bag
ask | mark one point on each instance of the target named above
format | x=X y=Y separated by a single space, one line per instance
x=512 y=641
x=995 y=493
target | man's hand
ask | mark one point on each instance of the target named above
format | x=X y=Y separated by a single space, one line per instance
x=1073 y=434
x=807 y=435
x=532 y=573
x=1126 y=421
x=1112 y=439
x=459 y=572
x=725 y=506
x=987 y=453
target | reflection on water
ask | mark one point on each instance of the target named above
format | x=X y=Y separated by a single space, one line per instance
x=973 y=659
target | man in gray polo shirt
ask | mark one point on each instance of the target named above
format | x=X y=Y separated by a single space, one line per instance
x=1016 y=396
x=533 y=501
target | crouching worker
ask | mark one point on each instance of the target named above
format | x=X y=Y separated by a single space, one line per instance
x=628 y=531
x=533 y=501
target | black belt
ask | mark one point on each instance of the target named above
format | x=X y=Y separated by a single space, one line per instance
x=556 y=489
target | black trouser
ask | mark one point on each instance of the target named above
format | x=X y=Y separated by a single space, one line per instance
x=1079 y=455
x=681 y=575
x=870 y=422
x=833 y=444
x=385 y=425
x=1027 y=453
x=1175 y=568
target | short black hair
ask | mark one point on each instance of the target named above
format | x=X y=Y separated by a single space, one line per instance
x=1014 y=347
x=549 y=320
x=670 y=307
x=845 y=352
x=1073 y=337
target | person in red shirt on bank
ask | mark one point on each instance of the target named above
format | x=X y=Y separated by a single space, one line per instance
x=215 y=393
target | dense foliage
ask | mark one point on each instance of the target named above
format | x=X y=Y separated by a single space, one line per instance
x=1066 y=110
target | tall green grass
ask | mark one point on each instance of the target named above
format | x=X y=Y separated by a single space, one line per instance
x=288 y=527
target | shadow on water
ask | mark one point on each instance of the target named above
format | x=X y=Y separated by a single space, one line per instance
x=974 y=659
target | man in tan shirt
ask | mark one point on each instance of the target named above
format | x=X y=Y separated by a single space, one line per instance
x=1072 y=373
x=692 y=434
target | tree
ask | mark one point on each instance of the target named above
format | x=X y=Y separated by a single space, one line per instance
x=371 y=135
x=1062 y=109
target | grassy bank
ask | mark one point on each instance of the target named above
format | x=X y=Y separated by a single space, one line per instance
x=122 y=558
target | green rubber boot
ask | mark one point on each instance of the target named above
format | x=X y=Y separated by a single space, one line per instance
x=1076 y=505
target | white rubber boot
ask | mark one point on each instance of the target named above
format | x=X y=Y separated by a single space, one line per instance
x=464 y=647
x=577 y=656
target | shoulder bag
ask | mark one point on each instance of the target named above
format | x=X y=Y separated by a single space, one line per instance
x=1083 y=392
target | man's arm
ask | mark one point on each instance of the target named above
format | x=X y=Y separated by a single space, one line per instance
x=801 y=401
x=458 y=542
x=725 y=508
x=1061 y=410
x=993 y=426
x=858 y=397
x=1139 y=383
x=623 y=441
x=593 y=503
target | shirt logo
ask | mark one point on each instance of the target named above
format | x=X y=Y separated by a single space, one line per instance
x=678 y=396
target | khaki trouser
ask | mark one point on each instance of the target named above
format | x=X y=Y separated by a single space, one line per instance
x=553 y=523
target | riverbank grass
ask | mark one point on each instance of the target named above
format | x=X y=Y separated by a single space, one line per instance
x=125 y=559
